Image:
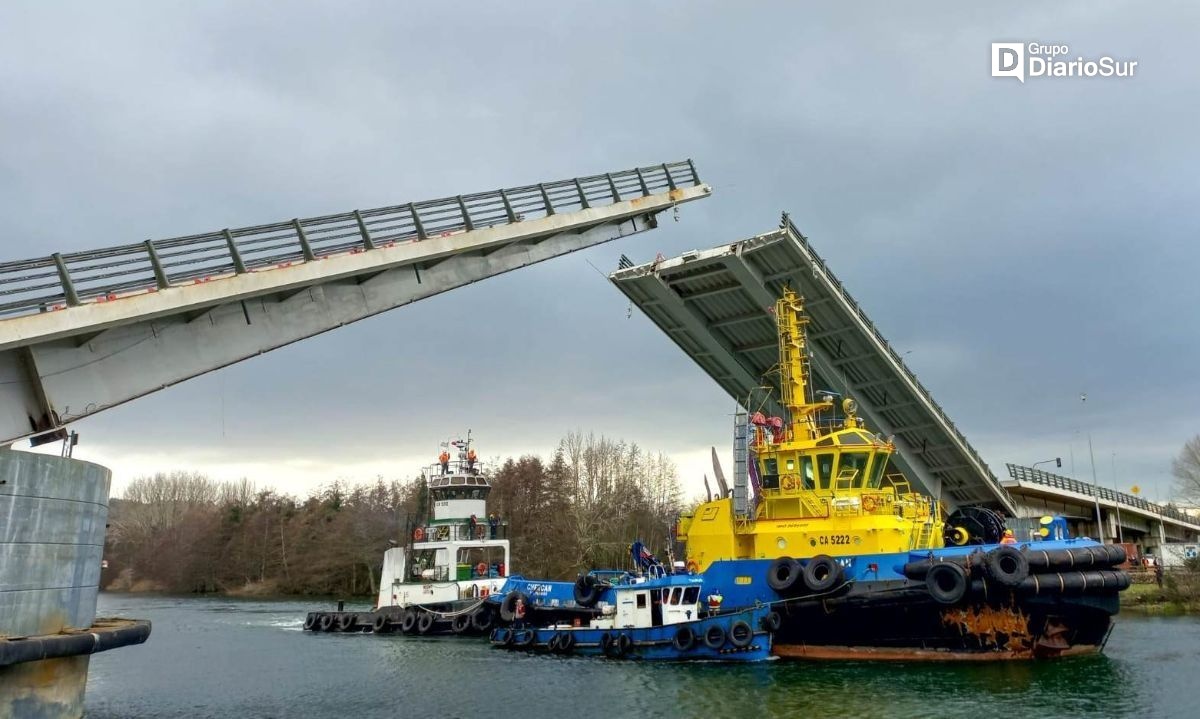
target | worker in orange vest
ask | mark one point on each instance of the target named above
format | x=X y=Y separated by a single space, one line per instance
x=470 y=460
x=444 y=458
x=1008 y=538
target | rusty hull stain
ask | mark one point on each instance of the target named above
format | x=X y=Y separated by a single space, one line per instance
x=995 y=627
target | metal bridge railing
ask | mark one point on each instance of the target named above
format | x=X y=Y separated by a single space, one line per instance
x=861 y=314
x=1049 y=479
x=69 y=279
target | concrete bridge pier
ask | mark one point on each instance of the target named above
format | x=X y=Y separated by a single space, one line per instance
x=52 y=518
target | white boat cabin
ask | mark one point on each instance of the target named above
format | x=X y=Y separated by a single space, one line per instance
x=651 y=604
x=461 y=553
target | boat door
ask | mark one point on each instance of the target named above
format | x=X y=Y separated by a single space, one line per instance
x=633 y=608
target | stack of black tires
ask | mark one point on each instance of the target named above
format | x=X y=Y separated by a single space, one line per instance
x=1078 y=570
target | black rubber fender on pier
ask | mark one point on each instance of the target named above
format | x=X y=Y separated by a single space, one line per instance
x=461 y=623
x=946 y=582
x=714 y=636
x=783 y=575
x=1007 y=566
x=822 y=573
x=508 y=607
x=327 y=622
x=684 y=639
x=740 y=634
x=381 y=624
x=310 y=622
x=347 y=622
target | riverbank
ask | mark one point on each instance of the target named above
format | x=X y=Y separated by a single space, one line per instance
x=1180 y=594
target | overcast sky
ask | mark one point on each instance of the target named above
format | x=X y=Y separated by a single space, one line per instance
x=1025 y=242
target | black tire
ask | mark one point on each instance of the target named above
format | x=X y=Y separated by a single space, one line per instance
x=381 y=625
x=482 y=619
x=523 y=637
x=566 y=643
x=622 y=643
x=347 y=623
x=500 y=635
x=327 y=622
x=508 y=608
x=552 y=644
x=771 y=622
x=461 y=623
x=684 y=639
x=946 y=582
x=740 y=634
x=1006 y=566
x=425 y=623
x=822 y=573
x=310 y=622
x=714 y=637
x=408 y=624
x=606 y=644
x=587 y=591
x=783 y=574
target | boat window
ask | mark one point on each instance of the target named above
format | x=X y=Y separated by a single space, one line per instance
x=856 y=462
x=808 y=480
x=458 y=480
x=853 y=438
x=877 y=468
x=641 y=600
x=675 y=595
x=770 y=478
x=824 y=469
x=827 y=442
x=690 y=595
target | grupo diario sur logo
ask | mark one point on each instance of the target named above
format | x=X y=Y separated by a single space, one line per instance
x=1040 y=60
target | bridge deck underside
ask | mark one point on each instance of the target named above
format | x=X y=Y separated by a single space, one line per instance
x=714 y=305
x=89 y=347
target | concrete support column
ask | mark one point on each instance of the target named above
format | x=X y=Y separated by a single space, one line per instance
x=52 y=516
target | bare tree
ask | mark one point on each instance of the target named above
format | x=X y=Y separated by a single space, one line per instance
x=1186 y=469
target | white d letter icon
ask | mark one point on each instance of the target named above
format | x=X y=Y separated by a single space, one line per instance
x=1008 y=60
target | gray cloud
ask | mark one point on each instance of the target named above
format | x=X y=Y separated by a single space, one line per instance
x=1026 y=242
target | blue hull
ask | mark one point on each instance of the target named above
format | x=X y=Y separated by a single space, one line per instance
x=714 y=639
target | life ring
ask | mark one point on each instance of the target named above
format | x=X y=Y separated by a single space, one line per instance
x=481 y=569
x=418 y=534
x=789 y=482
x=869 y=503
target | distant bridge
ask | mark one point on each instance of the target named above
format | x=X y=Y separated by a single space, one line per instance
x=84 y=331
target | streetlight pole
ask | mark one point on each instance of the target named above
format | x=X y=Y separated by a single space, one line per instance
x=1117 y=499
x=1095 y=483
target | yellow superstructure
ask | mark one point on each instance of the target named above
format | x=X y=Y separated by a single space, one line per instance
x=826 y=488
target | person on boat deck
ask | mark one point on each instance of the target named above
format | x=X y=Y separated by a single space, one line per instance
x=519 y=614
x=474 y=523
x=470 y=460
x=444 y=458
x=493 y=524
x=1008 y=538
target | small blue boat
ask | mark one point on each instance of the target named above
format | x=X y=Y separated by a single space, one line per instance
x=660 y=617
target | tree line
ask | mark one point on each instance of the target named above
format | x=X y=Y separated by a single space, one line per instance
x=185 y=532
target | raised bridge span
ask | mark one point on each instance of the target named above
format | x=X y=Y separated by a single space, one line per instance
x=717 y=306
x=84 y=331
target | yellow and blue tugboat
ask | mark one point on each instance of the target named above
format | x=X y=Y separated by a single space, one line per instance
x=859 y=565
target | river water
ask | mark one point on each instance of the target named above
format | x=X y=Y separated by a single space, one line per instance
x=235 y=658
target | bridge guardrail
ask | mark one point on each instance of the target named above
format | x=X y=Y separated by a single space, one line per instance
x=1049 y=479
x=69 y=279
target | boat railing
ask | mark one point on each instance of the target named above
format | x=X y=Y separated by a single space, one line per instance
x=456 y=467
x=464 y=531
